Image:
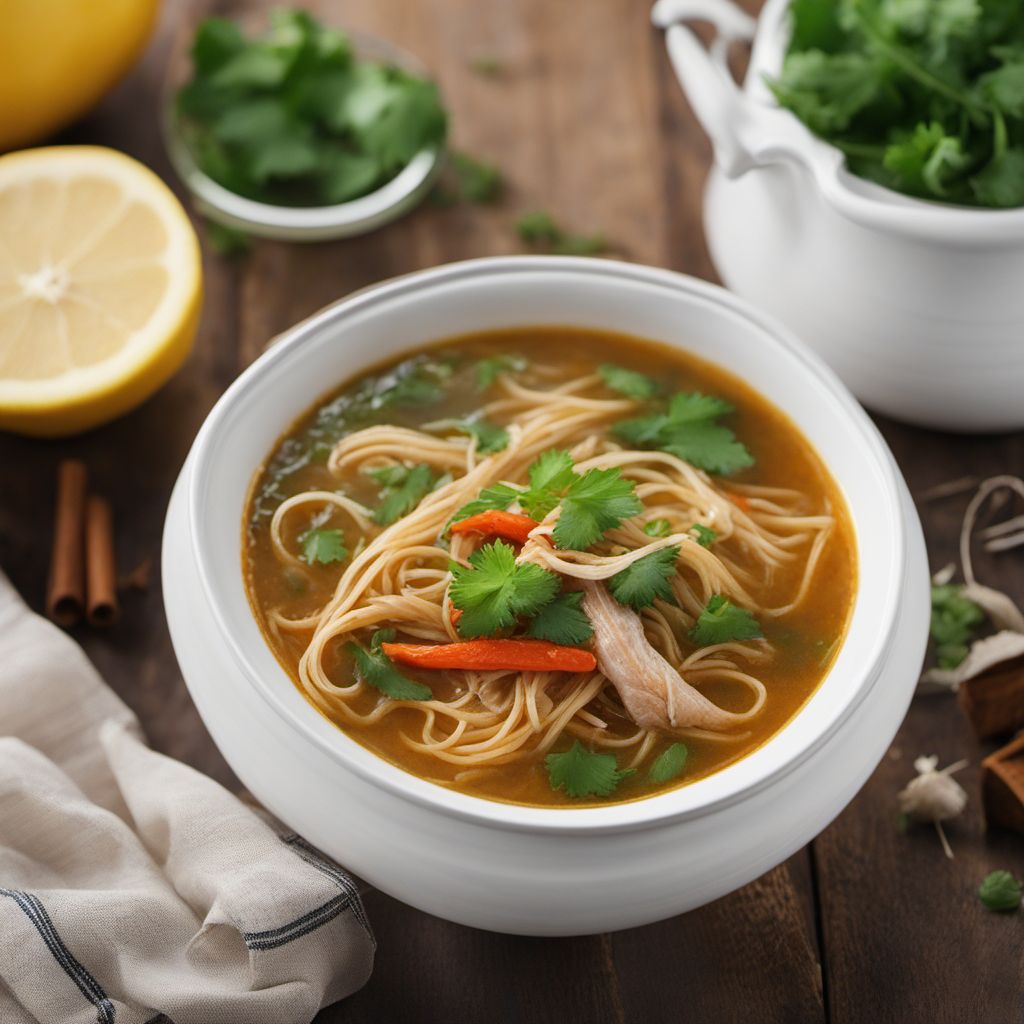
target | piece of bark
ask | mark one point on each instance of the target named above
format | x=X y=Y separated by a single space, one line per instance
x=1002 y=787
x=65 y=592
x=993 y=701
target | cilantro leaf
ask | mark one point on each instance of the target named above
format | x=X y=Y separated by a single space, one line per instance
x=376 y=669
x=628 y=382
x=657 y=528
x=490 y=369
x=1001 y=183
x=496 y=497
x=477 y=181
x=646 y=580
x=721 y=621
x=1000 y=892
x=687 y=429
x=580 y=772
x=403 y=488
x=489 y=436
x=706 y=536
x=550 y=477
x=538 y=228
x=669 y=764
x=562 y=621
x=323 y=546
x=494 y=590
x=954 y=622
x=595 y=502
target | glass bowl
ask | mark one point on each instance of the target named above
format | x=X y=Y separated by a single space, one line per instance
x=296 y=223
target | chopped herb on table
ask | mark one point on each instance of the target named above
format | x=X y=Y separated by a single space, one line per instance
x=294 y=117
x=538 y=228
x=955 y=620
x=923 y=97
x=1000 y=892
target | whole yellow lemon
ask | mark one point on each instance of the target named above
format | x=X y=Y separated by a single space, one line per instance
x=58 y=57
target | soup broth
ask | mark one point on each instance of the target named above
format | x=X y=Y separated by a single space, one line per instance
x=756 y=614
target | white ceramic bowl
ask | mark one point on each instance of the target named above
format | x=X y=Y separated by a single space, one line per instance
x=918 y=306
x=526 y=869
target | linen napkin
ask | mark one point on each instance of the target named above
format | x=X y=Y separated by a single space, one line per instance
x=134 y=889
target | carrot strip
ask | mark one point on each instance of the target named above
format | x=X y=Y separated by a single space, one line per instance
x=491 y=655
x=495 y=523
x=739 y=500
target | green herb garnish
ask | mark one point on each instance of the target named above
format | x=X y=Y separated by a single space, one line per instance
x=688 y=429
x=1000 y=891
x=495 y=497
x=669 y=764
x=476 y=181
x=646 y=580
x=489 y=436
x=580 y=772
x=490 y=369
x=402 y=489
x=293 y=117
x=225 y=241
x=955 y=620
x=721 y=621
x=658 y=528
x=628 y=382
x=595 y=502
x=494 y=590
x=562 y=621
x=538 y=228
x=705 y=535
x=320 y=546
x=376 y=669
x=923 y=96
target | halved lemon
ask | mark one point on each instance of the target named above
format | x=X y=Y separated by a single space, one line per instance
x=100 y=287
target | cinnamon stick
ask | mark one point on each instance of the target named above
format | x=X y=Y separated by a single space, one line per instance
x=65 y=592
x=994 y=700
x=1002 y=787
x=100 y=564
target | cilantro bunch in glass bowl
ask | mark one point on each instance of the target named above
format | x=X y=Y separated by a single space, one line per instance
x=301 y=131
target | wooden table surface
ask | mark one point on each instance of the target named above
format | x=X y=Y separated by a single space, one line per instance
x=584 y=118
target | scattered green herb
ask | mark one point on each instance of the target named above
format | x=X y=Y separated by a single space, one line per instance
x=562 y=621
x=489 y=436
x=490 y=369
x=320 y=546
x=294 y=117
x=688 y=430
x=1000 y=891
x=580 y=772
x=494 y=590
x=595 y=502
x=923 y=96
x=538 y=228
x=705 y=535
x=376 y=669
x=476 y=180
x=402 y=489
x=721 y=621
x=486 y=65
x=225 y=241
x=646 y=580
x=955 y=620
x=550 y=477
x=628 y=382
x=669 y=764
x=658 y=528
x=495 y=497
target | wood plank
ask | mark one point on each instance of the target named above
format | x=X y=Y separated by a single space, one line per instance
x=905 y=936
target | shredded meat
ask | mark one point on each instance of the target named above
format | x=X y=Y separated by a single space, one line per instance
x=654 y=693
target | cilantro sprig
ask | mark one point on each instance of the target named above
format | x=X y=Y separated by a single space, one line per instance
x=628 y=382
x=581 y=772
x=488 y=370
x=669 y=764
x=646 y=580
x=376 y=669
x=294 y=117
x=489 y=436
x=923 y=97
x=493 y=591
x=954 y=622
x=402 y=489
x=689 y=429
x=562 y=621
x=322 y=546
x=721 y=621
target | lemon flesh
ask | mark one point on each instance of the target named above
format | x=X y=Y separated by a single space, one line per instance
x=100 y=287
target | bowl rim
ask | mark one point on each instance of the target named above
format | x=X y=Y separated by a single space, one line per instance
x=629 y=815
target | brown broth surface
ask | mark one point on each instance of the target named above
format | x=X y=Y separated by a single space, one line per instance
x=805 y=641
